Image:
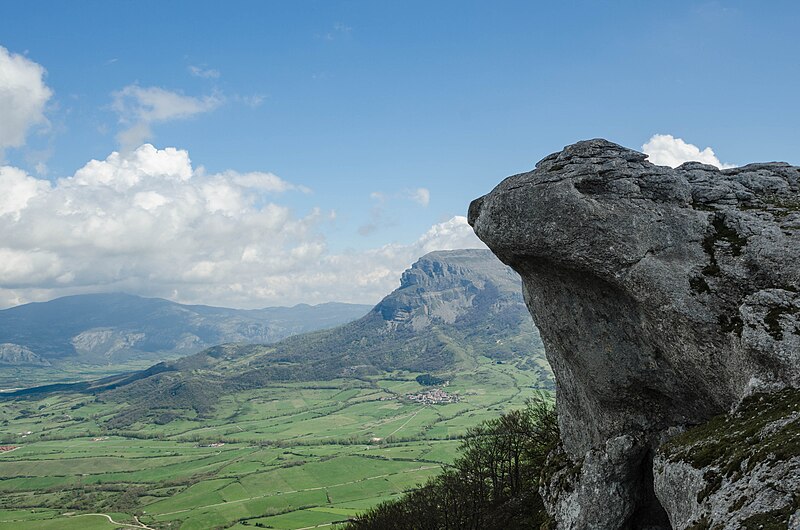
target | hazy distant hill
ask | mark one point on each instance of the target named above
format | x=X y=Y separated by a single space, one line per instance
x=114 y=328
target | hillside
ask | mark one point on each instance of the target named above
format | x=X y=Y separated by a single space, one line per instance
x=117 y=328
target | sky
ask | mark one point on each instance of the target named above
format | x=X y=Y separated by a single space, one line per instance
x=251 y=154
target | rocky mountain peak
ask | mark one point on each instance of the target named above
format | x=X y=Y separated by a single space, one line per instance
x=663 y=297
x=443 y=285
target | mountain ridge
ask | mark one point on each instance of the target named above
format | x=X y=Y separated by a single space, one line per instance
x=115 y=327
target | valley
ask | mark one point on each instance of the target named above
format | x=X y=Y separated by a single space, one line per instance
x=304 y=432
x=289 y=455
x=14 y=378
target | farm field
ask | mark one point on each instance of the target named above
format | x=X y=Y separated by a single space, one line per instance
x=66 y=372
x=289 y=456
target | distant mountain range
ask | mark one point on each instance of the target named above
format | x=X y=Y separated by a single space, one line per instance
x=452 y=309
x=116 y=328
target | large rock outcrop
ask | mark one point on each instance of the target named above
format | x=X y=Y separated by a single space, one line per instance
x=664 y=297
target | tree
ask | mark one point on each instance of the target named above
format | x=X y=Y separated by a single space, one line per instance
x=492 y=485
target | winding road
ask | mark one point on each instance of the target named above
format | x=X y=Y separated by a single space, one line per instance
x=112 y=521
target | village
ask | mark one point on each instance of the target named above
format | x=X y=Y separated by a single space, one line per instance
x=434 y=396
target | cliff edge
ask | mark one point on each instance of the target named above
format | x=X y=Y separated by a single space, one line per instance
x=668 y=301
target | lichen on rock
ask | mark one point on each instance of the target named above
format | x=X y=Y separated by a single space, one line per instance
x=661 y=295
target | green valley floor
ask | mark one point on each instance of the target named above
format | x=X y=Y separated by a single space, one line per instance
x=290 y=456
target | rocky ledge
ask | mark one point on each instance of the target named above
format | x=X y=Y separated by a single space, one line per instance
x=668 y=301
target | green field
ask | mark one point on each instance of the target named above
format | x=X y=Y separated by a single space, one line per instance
x=67 y=372
x=292 y=455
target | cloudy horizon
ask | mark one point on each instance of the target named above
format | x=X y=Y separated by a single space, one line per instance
x=225 y=173
x=145 y=221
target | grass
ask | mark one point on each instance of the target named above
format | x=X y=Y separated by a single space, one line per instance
x=67 y=372
x=295 y=454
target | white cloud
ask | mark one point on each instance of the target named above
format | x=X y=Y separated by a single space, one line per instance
x=449 y=235
x=23 y=95
x=18 y=188
x=139 y=108
x=149 y=223
x=28 y=268
x=205 y=73
x=263 y=181
x=666 y=150
x=376 y=214
x=421 y=196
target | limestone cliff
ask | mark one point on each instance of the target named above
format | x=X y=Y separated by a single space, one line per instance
x=16 y=355
x=663 y=297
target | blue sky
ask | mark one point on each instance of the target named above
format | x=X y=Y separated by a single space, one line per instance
x=358 y=106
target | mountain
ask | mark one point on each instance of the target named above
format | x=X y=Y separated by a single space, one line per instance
x=451 y=307
x=115 y=328
x=452 y=310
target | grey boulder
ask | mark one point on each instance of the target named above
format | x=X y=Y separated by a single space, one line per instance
x=664 y=297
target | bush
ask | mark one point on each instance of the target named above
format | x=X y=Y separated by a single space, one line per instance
x=429 y=380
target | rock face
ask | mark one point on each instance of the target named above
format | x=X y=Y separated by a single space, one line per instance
x=98 y=343
x=442 y=287
x=739 y=470
x=16 y=355
x=663 y=297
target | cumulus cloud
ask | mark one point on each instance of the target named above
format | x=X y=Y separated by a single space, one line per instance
x=139 y=108
x=449 y=235
x=18 y=188
x=23 y=96
x=666 y=150
x=149 y=223
x=141 y=220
